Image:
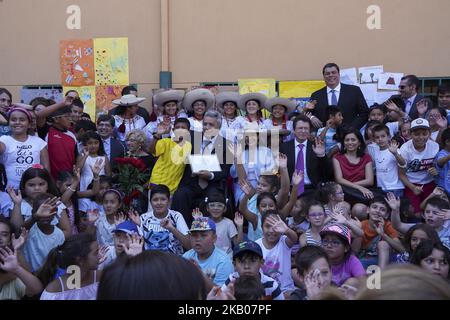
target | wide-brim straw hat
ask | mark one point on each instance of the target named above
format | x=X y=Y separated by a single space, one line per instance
x=128 y=100
x=288 y=104
x=170 y=95
x=227 y=96
x=251 y=96
x=198 y=94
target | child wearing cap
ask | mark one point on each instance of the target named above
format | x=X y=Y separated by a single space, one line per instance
x=380 y=237
x=62 y=143
x=248 y=261
x=336 y=240
x=419 y=153
x=126 y=241
x=215 y=264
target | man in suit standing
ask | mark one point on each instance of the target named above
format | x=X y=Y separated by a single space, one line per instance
x=197 y=185
x=409 y=88
x=114 y=148
x=348 y=98
x=304 y=155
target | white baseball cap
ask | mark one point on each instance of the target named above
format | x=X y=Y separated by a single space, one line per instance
x=420 y=123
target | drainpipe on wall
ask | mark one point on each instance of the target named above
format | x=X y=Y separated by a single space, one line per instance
x=165 y=76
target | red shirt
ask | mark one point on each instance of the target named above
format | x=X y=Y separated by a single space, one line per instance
x=353 y=172
x=61 y=150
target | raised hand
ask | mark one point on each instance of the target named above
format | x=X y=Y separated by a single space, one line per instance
x=134 y=216
x=8 y=260
x=313 y=283
x=297 y=177
x=282 y=161
x=19 y=242
x=93 y=215
x=393 y=146
x=442 y=122
x=444 y=214
x=76 y=173
x=119 y=218
x=68 y=100
x=196 y=214
x=277 y=224
x=15 y=197
x=166 y=224
x=319 y=147
x=163 y=128
x=47 y=208
x=238 y=219
x=393 y=201
x=136 y=245
x=97 y=167
x=246 y=188
x=438 y=191
x=338 y=214
x=85 y=152
x=391 y=106
x=310 y=105
x=102 y=254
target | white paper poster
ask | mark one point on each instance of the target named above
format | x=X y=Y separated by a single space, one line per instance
x=369 y=91
x=383 y=96
x=349 y=76
x=389 y=80
x=369 y=74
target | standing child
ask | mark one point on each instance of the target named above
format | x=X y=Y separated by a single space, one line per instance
x=276 y=244
x=328 y=133
x=336 y=240
x=81 y=250
x=62 y=143
x=92 y=152
x=215 y=264
x=163 y=229
x=248 y=261
x=43 y=235
x=316 y=216
x=386 y=158
x=227 y=234
x=36 y=181
x=21 y=151
x=419 y=154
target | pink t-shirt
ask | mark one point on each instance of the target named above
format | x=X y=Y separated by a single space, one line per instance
x=349 y=269
x=353 y=172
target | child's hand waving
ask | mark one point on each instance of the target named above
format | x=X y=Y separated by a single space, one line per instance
x=8 y=260
x=134 y=216
x=135 y=247
x=277 y=224
x=196 y=214
x=238 y=219
x=19 y=242
x=119 y=218
x=47 y=208
x=393 y=201
x=15 y=197
x=313 y=284
x=297 y=177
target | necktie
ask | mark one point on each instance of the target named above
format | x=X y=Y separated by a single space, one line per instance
x=407 y=106
x=334 y=101
x=205 y=145
x=300 y=166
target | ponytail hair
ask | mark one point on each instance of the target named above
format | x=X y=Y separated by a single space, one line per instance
x=65 y=255
x=325 y=191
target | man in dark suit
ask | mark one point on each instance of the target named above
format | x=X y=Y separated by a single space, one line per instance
x=197 y=185
x=313 y=161
x=348 y=98
x=114 y=148
x=409 y=88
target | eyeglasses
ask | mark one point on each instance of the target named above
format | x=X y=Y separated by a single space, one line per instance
x=402 y=87
x=333 y=243
x=337 y=193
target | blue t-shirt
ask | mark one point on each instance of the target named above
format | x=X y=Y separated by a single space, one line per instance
x=217 y=267
x=253 y=234
x=444 y=172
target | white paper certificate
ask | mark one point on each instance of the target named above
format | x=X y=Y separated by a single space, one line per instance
x=200 y=162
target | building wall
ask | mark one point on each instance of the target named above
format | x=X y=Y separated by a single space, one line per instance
x=224 y=40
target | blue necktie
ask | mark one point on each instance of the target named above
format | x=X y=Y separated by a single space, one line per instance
x=334 y=101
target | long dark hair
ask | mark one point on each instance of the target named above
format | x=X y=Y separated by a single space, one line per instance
x=152 y=275
x=32 y=173
x=362 y=147
x=77 y=246
x=93 y=135
x=62 y=177
x=429 y=231
x=425 y=249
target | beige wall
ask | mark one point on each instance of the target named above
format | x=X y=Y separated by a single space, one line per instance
x=224 y=40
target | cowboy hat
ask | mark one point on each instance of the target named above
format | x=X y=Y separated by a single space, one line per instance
x=251 y=96
x=128 y=100
x=198 y=94
x=163 y=97
x=226 y=96
x=288 y=104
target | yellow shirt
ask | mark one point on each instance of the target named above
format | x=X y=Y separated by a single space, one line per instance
x=169 y=167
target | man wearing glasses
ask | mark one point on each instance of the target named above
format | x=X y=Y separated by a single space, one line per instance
x=408 y=89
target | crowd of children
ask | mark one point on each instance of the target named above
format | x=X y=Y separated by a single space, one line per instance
x=274 y=229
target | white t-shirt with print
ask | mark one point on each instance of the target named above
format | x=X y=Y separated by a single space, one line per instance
x=158 y=238
x=104 y=231
x=277 y=263
x=418 y=163
x=225 y=231
x=19 y=156
x=386 y=168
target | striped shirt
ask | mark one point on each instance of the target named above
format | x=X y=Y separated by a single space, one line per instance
x=271 y=287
